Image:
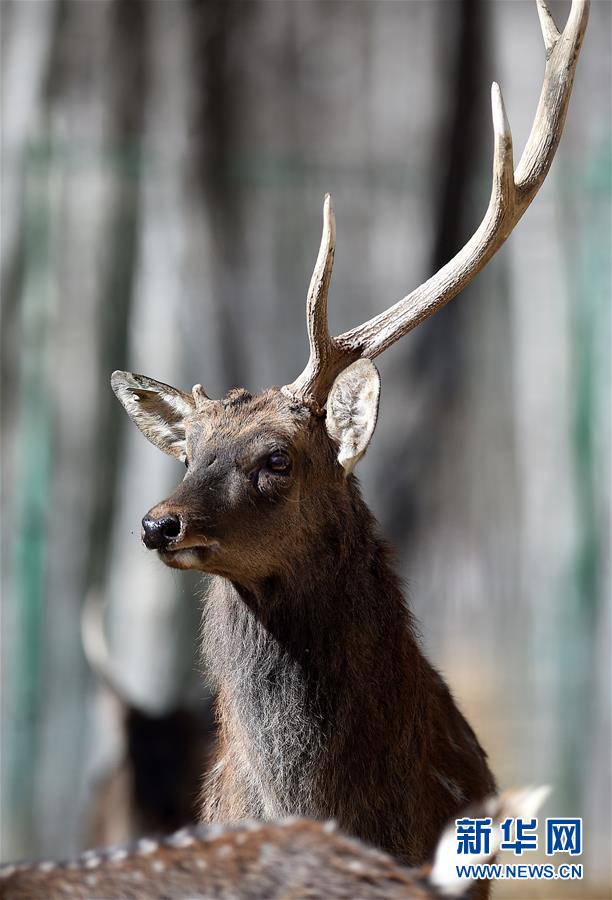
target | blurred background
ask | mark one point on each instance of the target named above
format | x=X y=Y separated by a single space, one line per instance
x=163 y=169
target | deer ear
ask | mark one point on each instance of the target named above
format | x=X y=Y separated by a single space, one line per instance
x=352 y=409
x=157 y=409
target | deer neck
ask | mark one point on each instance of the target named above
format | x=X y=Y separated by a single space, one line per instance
x=303 y=662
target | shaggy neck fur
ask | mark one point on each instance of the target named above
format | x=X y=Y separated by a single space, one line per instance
x=327 y=706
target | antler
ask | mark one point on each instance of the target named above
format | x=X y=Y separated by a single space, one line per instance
x=96 y=649
x=511 y=194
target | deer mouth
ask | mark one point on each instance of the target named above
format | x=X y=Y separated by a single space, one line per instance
x=190 y=556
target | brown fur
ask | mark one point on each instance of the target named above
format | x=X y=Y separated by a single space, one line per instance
x=327 y=706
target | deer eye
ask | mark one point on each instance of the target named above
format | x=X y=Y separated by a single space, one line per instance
x=279 y=462
x=186 y=463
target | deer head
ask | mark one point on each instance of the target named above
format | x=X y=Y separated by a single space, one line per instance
x=256 y=466
x=259 y=467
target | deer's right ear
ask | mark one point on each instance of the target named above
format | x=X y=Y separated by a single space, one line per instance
x=352 y=410
x=156 y=408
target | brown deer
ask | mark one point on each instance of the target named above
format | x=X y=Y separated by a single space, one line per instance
x=327 y=706
x=283 y=859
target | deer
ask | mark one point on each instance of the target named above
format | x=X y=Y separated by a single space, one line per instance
x=152 y=785
x=269 y=860
x=326 y=704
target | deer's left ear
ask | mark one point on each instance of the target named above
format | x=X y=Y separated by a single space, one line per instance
x=156 y=408
x=352 y=410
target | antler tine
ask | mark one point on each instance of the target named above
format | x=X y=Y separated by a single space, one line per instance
x=511 y=194
x=316 y=304
x=550 y=32
x=562 y=49
x=312 y=385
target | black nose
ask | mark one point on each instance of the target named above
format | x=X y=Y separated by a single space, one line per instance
x=157 y=533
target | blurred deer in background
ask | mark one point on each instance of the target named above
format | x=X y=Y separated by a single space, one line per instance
x=154 y=782
x=327 y=706
x=287 y=859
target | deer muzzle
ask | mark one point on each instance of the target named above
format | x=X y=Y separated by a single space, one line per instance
x=160 y=533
